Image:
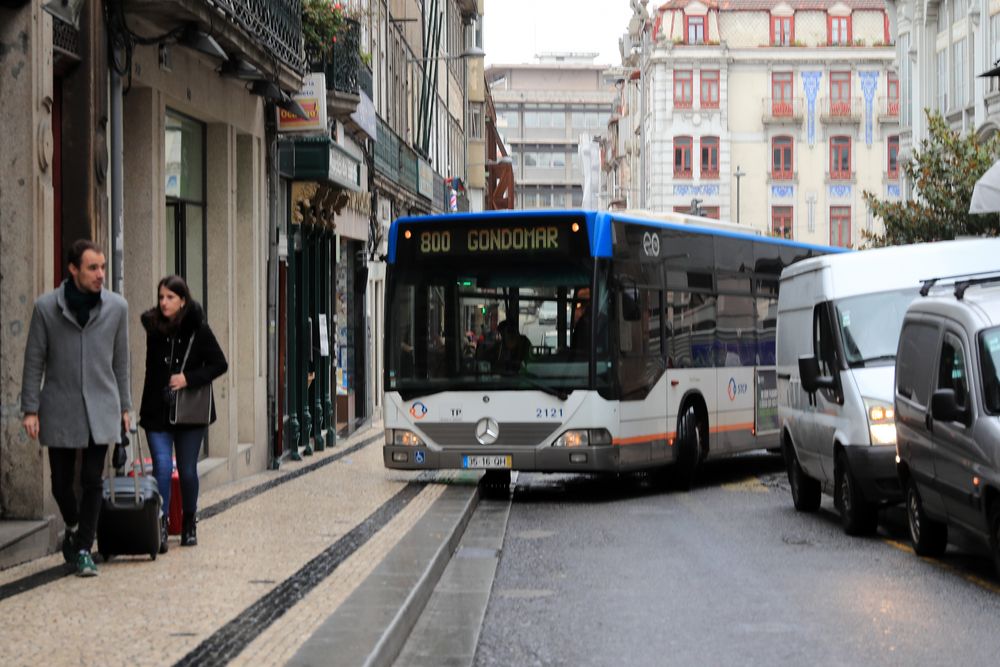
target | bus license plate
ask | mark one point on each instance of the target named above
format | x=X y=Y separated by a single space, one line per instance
x=488 y=461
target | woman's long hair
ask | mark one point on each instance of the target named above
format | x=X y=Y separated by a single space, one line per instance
x=178 y=286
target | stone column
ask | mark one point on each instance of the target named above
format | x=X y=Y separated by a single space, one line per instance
x=27 y=252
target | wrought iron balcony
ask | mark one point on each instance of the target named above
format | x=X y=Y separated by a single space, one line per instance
x=783 y=110
x=346 y=75
x=258 y=32
x=888 y=109
x=841 y=110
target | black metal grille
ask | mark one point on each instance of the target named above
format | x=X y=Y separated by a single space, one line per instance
x=512 y=434
x=65 y=39
x=346 y=59
x=387 y=151
x=276 y=24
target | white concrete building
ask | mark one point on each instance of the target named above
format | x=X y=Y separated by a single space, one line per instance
x=778 y=114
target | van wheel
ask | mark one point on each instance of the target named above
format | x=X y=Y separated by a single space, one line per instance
x=995 y=534
x=930 y=537
x=806 y=491
x=858 y=516
x=692 y=435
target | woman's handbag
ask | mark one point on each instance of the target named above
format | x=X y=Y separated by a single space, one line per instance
x=192 y=406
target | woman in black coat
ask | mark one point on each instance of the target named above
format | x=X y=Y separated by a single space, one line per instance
x=175 y=325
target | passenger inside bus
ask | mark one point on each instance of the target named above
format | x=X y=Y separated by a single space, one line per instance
x=581 y=328
x=513 y=349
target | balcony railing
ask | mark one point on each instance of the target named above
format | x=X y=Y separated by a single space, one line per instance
x=259 y=31
x=387 y=152
x=343 y=64
x=888 y=108
x=842 y=110
x=783 y=110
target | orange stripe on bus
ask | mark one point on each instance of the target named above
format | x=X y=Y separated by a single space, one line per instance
x=639 y=439
x=748 y=426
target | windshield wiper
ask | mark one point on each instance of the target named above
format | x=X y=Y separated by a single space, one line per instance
x=561 y=394
x=881 y=357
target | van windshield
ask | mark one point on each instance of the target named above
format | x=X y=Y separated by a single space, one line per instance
x=989 y=354
x=870 y=325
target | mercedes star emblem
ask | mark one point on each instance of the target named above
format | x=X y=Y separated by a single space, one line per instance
x=487 y=431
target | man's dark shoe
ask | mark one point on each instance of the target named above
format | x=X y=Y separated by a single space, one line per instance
x=85 y=565
x=164 y=534
x=69 y=549
x=189 y=534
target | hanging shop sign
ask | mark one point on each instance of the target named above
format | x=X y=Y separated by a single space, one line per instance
x=312 y=99
x=365 y=115
x=317 y=158
x=425 y=179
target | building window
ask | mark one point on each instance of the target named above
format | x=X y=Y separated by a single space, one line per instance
x=959 y=67
x=781 y=94
x=709 y=157
x=840 y=158
x=782 y=29
x=840 y=226
x=993 y=83
x=892 y=94
x=893 y=166
x=682 y=157
x=695 y=29
x=683 y=88
x=840 y=93
x=781 y=158
x=942 y=80
x=781 y=221
x=187 y=236
x=476 y=120
x=709 y=89
x=838 y=30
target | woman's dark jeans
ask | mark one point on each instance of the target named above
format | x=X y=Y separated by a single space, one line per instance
x=187 y=444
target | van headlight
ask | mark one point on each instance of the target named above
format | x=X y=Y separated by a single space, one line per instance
x=402 y=437
x=881 y=421
x=583 y=437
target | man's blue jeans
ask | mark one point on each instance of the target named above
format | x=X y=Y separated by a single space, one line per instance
x=187 y=444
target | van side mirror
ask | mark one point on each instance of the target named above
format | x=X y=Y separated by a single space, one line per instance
x=945 y=407
x=810 y=377
x=631 y=303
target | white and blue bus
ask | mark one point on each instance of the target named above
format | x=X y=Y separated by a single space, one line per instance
x=579 y=341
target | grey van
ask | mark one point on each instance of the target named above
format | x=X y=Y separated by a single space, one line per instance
x=947 y=401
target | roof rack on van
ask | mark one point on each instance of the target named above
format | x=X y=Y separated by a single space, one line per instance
x=992 y=276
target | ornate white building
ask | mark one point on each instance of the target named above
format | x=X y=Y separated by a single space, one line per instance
x=775 y=114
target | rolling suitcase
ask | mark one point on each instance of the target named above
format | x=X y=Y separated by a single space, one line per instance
x=130 y=513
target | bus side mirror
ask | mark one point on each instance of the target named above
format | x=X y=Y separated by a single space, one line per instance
x=810 y=377
x=631 y=304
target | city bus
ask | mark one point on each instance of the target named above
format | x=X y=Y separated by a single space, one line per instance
x=579 y=341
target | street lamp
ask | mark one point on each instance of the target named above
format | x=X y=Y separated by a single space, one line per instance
x=67 y=11
x=738 y=174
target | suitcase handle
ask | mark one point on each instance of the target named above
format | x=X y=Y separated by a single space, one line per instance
x=136 y=451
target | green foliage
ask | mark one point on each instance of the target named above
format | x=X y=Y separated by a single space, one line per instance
x=322 y=20
x=944 y=170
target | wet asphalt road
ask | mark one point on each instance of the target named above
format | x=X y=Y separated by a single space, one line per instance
x=613 y=571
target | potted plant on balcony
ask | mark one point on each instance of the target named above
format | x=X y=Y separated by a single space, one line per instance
x=322 y=22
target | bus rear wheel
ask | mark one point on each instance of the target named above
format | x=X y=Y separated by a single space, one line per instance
x=692 y=436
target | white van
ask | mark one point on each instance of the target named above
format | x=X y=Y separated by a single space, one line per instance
x=839 y=318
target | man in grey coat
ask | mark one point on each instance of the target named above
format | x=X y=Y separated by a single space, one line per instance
x=75 y=390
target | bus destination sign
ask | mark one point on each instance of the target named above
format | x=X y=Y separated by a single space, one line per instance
x=436 y=241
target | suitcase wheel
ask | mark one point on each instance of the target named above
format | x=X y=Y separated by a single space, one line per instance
x=152 y=555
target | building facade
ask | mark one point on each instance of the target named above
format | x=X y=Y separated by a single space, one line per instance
x=942 y=48
x=775 y=114
x=542 y=110
x=226 y=174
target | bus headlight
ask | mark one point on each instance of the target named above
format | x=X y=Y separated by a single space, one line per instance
x=881 y=422
x=401 y=437
x=583 y=437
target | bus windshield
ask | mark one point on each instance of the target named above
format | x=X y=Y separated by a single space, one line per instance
x=494 y=323
x=870 y=325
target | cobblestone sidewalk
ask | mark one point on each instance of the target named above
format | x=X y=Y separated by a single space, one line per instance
x=249 y=567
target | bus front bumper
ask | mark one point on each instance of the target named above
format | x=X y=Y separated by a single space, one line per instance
x=605 y=458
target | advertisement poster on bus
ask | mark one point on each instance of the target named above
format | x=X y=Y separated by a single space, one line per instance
x=767 y=401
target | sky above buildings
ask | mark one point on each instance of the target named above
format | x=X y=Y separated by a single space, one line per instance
x=515 y=30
